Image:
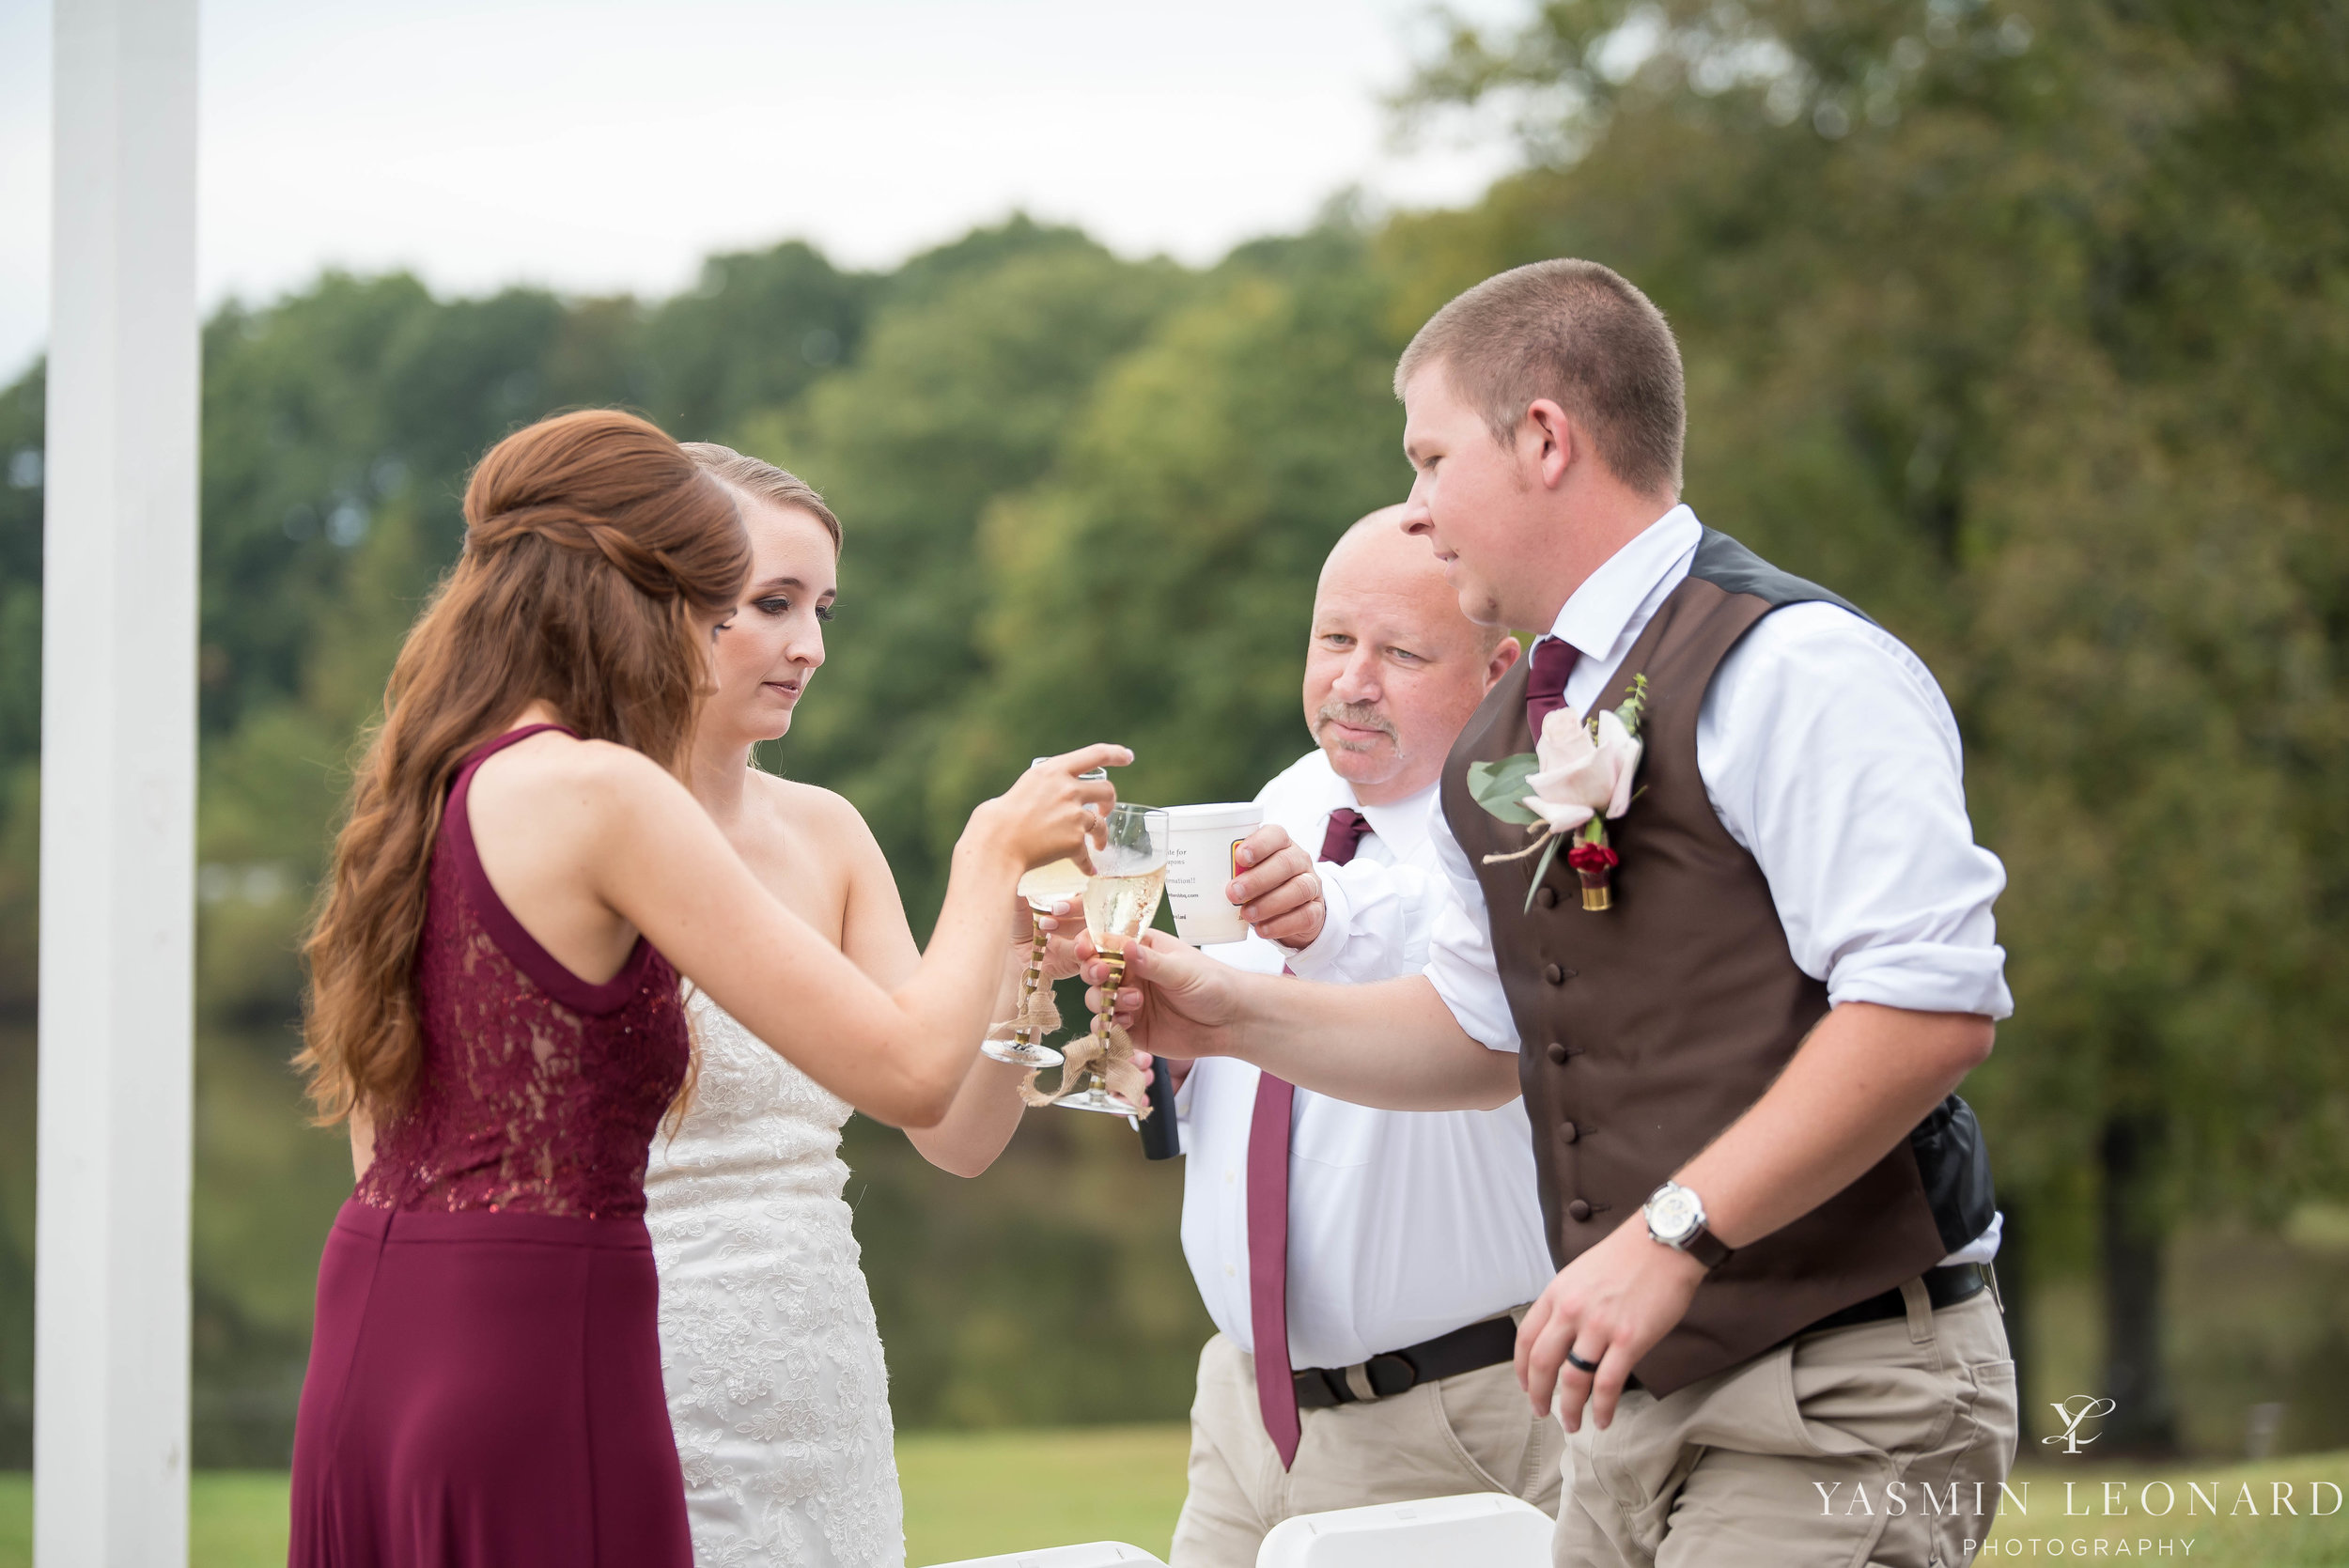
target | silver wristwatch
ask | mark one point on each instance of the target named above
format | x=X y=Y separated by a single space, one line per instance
x=1675 y=1217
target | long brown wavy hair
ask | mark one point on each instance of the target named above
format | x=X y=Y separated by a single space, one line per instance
x=595 y=555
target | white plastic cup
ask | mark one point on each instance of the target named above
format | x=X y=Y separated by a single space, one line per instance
x=1202 y=858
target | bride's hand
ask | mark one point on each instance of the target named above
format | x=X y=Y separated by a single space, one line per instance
x=1050 y=812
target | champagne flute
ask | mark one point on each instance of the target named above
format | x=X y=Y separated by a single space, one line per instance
x=1042 y=887
x=1121 y=899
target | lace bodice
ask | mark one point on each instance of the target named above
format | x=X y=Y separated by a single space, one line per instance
x=756 y=1126
x=539 y=1092
x=777 y=1390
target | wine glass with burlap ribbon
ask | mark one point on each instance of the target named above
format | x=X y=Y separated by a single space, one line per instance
x=1120 y=896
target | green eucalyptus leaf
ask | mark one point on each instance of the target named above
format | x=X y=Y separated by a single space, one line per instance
x=1499 y=786
x=1541 y=868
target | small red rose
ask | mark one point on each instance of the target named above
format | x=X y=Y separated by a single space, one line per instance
x=1595 y=858
x=1595 y=864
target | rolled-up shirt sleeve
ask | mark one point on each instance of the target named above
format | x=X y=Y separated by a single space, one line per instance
x=1460 y=961
x=1375 y=925
x=1830 y=754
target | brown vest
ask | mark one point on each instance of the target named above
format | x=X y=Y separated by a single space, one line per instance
x=1648 y=1028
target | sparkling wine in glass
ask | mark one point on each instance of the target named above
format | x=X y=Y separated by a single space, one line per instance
x=1042 y=887
x=1121 y=900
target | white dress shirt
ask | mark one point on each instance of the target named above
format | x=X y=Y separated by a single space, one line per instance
x=1830 y=756
x=1403 y=1225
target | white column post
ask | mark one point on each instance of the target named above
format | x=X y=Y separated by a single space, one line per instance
x=117 y=795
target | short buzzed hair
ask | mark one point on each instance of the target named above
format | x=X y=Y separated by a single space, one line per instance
x=1581 y=334
x=1384 y=519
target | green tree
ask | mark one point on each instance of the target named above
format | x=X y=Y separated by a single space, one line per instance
x=1152 y=586
x=757 y=330
x=331 y=404
x=960 y=395
x=1156 y=587
x=21 y=422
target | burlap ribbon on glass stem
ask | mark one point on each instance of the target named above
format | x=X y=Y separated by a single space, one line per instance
x=1037 y=1016
x=1106 y=1049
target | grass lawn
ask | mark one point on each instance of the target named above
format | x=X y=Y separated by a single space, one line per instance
x=972 y=1494
x=235 y=1518
x=968 y=1495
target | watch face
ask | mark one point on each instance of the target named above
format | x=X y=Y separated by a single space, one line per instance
x=1673 y=1214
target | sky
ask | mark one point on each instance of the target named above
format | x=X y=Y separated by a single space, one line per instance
x=599 y=146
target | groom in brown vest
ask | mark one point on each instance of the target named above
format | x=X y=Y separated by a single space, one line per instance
x=1737 y=997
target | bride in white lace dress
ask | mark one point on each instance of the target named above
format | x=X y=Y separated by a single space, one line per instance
x=776 y=1387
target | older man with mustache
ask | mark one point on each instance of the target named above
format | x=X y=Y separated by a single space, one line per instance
x=1361 y=1265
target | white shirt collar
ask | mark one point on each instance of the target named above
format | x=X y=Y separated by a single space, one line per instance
x=1599 y=615
x=1403 y=824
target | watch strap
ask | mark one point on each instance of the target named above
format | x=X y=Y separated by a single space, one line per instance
x=1707 y=1248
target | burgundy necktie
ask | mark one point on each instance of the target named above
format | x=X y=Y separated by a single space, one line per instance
x=1546 y=684
x=1268 y=1209
x=1268 y=1261
x=1348 y=829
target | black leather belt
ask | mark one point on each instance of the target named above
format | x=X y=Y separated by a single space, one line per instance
x=1495 y=1340
x=1944 y=1287
x=1470 y=1349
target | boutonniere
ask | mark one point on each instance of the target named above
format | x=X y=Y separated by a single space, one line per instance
x=1578 y=777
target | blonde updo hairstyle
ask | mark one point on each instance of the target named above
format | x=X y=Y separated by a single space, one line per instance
x=763 y=481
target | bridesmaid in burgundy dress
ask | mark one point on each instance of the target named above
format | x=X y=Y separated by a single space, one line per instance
x=495 y=1012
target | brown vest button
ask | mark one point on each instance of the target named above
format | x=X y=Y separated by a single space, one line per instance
x=1558 y=1052
x=1569 y=1132
x=1554 y=975
x=1548 y=897
x=1578 y=1210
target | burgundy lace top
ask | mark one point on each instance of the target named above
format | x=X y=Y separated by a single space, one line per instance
x=539 y=1092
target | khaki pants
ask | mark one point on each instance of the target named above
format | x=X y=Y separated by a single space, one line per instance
x=1474 y=1433
x=1857 y=1445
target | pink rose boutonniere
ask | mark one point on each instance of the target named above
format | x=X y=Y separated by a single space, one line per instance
x=1564 y=792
